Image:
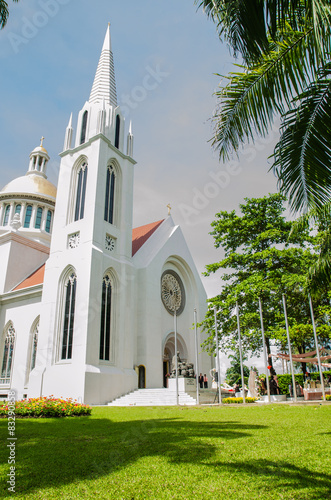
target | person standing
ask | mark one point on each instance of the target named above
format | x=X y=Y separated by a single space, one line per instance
x=205 y=381
x=201 y=381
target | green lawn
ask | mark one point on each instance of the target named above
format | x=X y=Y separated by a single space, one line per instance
x=269 y=452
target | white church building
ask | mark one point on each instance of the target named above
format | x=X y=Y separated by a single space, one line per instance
x=86 y=301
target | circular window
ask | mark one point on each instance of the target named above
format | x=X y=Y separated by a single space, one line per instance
x=172 y=292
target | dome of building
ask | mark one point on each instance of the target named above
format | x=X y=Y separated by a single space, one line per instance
x=40 y=149
x=31 y=184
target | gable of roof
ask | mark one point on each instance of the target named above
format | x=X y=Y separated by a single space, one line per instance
x=36 y=278
x=141 y=234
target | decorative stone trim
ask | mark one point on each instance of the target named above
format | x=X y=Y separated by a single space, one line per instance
x=73 y=240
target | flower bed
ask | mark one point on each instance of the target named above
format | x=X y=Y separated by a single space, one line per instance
x=228 y=401
x=328 y=397
x=47 y=407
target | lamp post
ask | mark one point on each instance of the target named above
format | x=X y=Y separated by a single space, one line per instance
x=196 y=355
x=218 y=370
x=289 y=349
x=176 y=364
x=316 y=344
x=241 y=356
x=264 y=350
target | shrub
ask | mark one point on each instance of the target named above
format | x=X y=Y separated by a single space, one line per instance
x=47 y=407
x=228 y=401
x=286 y=379
x=328 y=397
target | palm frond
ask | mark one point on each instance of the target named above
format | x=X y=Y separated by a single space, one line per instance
x=248 y=103
x=303 y=154
x=4 y=13
x=246 y=26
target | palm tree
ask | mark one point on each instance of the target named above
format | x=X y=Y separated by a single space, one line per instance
x=4 y=13
x=285 y=48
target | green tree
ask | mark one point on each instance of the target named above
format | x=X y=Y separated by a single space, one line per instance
x=233 y=373
x=263 y=259
x=4 y=13
x=285 y=70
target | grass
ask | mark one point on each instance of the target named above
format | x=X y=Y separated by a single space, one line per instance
x=253 y=452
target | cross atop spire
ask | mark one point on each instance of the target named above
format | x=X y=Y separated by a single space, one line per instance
x=104 y=85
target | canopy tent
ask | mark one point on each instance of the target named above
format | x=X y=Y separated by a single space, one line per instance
x=305 y=358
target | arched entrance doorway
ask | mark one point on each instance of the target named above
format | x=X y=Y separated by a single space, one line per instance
x=142 y=377
x=169 y=353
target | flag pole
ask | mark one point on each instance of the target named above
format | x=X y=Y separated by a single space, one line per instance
x=196 y=355
x=316 y=344
x=264 y=350
x=241 y=357
x=175 y=327
x=218 y=371
x=289 y=349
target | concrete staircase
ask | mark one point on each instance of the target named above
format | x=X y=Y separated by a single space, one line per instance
x=153 y=397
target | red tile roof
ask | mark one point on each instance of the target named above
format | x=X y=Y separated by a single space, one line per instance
x=36 y=278
x=141 y=234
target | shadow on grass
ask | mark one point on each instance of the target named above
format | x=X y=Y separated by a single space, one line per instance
x=51 y=452
x=285 y=475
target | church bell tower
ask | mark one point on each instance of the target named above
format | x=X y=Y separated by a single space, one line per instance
x=86 y=333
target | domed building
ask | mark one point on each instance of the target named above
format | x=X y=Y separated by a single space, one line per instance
x=87 y=303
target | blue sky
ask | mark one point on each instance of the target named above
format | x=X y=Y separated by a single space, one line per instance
x=49 y=52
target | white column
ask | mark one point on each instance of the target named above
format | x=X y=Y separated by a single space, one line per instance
x=33 y=216
x=1 y=213
x=11 y=213
x=43 y=220
x=42 y=168
x=22 y=214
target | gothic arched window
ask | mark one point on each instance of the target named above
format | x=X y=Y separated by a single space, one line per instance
x=69 y=316
x=84 y=126
x=105 y=319
x=38 y=218
x=117 y=131
x=6 y=216
x=48 y=221
x=28 y=214
x=110 y=193
x=34 y=347
x=7 y=359
x=81 y=192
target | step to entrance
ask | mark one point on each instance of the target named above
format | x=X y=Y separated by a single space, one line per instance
x=153 y=397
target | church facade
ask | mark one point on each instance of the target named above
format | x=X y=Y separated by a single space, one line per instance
x=87 y=303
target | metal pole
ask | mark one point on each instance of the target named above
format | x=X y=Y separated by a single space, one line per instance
x=196 y=355
x=218 y=360
x=175 y=321
x=241 y=357
x=316 y=344
x=289 y=349
x=264 y=351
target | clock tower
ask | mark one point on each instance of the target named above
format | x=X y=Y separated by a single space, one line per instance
x=86 y=336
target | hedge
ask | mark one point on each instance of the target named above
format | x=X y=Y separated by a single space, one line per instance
x=285 y=380
x=228 y=401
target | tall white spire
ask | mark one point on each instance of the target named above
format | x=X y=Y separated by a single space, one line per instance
x=104 y=85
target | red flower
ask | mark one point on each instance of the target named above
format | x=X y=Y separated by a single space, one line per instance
x=269 y=367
